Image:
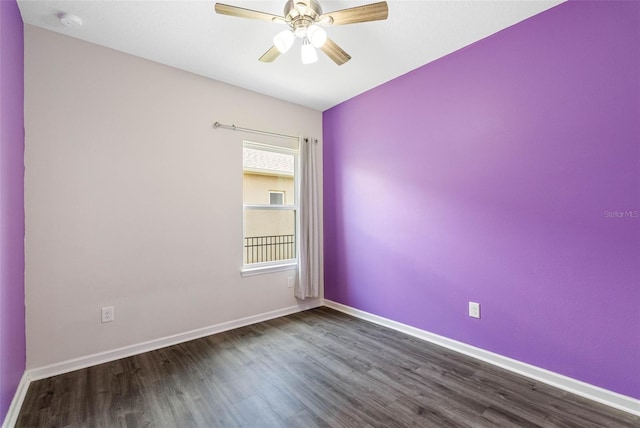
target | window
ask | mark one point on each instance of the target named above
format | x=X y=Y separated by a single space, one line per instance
x=270 y=216
x=276 y=197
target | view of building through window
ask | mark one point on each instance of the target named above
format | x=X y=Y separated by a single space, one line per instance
x=276 y=198
x=269 y=204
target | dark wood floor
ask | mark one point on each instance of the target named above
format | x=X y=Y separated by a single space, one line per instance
x=317 y=368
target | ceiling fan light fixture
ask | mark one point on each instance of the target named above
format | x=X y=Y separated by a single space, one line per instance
x=283 y=40
x=308 y=53
x=300 y=32
x=317 y=36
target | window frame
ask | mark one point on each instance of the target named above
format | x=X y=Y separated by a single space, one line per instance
x=276 y=265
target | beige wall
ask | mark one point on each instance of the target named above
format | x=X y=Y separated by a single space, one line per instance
x=133 y=200
x=256 y=188
x=269 y=222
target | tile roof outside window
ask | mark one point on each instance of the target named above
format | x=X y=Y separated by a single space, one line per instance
x=260 y=160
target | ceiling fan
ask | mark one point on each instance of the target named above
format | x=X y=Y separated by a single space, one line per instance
x=305 y=20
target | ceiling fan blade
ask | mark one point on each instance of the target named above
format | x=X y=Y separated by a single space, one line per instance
x=335 y=52
x=369 y=12
x=270 y=55
x=225 y=9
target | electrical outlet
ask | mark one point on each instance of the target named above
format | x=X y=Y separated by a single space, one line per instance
x=474 y=310
x=108 y=314
x=290 y=282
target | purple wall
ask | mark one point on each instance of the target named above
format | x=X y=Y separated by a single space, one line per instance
x=496 y=175
x=12 y=328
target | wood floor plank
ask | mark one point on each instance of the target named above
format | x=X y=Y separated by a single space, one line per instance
x=318 y=368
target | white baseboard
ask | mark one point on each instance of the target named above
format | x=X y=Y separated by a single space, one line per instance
x=139 y=348
x=595 y=393
x=14 y=408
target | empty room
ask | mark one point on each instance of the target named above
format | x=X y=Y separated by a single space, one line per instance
x=319 y=213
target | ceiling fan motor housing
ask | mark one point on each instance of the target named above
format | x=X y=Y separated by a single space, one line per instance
x=314 y=10
x=301 y=15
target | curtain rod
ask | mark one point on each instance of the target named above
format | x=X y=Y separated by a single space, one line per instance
x=253 y=131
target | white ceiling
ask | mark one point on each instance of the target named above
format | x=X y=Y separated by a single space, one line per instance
x=189 y=35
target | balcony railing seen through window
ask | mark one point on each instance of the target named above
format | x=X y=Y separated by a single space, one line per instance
x=260 y=249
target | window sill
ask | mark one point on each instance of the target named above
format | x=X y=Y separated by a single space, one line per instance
x=267 y=269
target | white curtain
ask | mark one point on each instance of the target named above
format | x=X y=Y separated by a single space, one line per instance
x=309 y=264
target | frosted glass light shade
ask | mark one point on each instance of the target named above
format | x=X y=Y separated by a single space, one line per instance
x=308 y=53
x=283 y=40
x=316 y=35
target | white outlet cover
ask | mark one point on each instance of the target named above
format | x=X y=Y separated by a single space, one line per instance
x=108 y=314
x=474 y=310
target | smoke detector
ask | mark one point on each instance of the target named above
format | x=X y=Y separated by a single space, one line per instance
x=70 y=21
